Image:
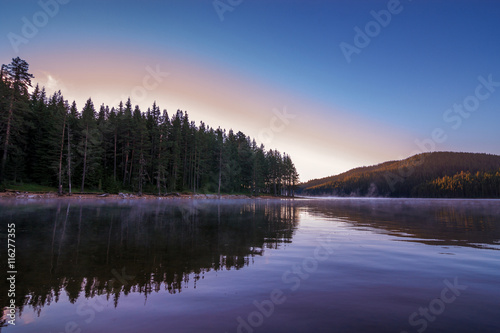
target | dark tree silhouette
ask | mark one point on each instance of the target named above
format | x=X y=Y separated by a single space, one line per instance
x=124 y=148
x=15 y=82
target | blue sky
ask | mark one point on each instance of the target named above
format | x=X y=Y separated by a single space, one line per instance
x=276 y=55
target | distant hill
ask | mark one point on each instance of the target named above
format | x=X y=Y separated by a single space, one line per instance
x=437 y=174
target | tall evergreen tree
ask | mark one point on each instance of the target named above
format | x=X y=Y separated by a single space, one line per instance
x=89 y=146
x=72 y=132
x=17 y=79
x=126 y=135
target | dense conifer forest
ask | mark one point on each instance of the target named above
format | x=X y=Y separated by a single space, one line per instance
x=48 y=141
x=433 y=175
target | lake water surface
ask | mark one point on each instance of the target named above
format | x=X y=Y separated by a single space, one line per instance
x=319 y=265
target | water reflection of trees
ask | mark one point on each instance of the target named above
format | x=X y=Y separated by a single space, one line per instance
x=472 y=223
x=92 y=249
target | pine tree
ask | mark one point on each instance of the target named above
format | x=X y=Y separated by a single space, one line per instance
x=72 y=128
x=17 y=79
x=232 y=168
x=126 y=137
x=259 y=169
x=89 y=146
x=140 y=148
x=175 y=138
x=163 y=152
x=220 y=150
x=113 y=131
x=62 y=112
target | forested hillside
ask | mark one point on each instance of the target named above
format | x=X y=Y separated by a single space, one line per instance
x=46 y=140
x=437 y=174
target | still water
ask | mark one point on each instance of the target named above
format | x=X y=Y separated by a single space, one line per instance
x=322 y=265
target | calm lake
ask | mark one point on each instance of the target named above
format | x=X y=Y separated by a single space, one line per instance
x=319 y=265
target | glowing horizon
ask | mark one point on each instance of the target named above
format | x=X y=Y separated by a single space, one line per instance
x=249 y=109
x=240 y=73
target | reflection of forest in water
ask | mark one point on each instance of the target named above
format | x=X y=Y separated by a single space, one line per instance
x=473 y=223
x=114 y=248
x=109 y=249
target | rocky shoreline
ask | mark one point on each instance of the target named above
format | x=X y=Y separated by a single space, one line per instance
x=129 y=196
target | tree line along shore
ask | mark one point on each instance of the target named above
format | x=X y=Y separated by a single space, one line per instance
x=47 y=141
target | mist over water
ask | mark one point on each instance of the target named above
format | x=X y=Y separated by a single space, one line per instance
x=347 y=265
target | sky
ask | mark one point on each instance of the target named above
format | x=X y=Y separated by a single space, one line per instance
x=334 y=84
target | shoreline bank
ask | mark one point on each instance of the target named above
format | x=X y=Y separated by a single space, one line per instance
x=121 y=196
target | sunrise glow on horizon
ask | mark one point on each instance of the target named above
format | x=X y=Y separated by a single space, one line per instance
x=266 y=59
